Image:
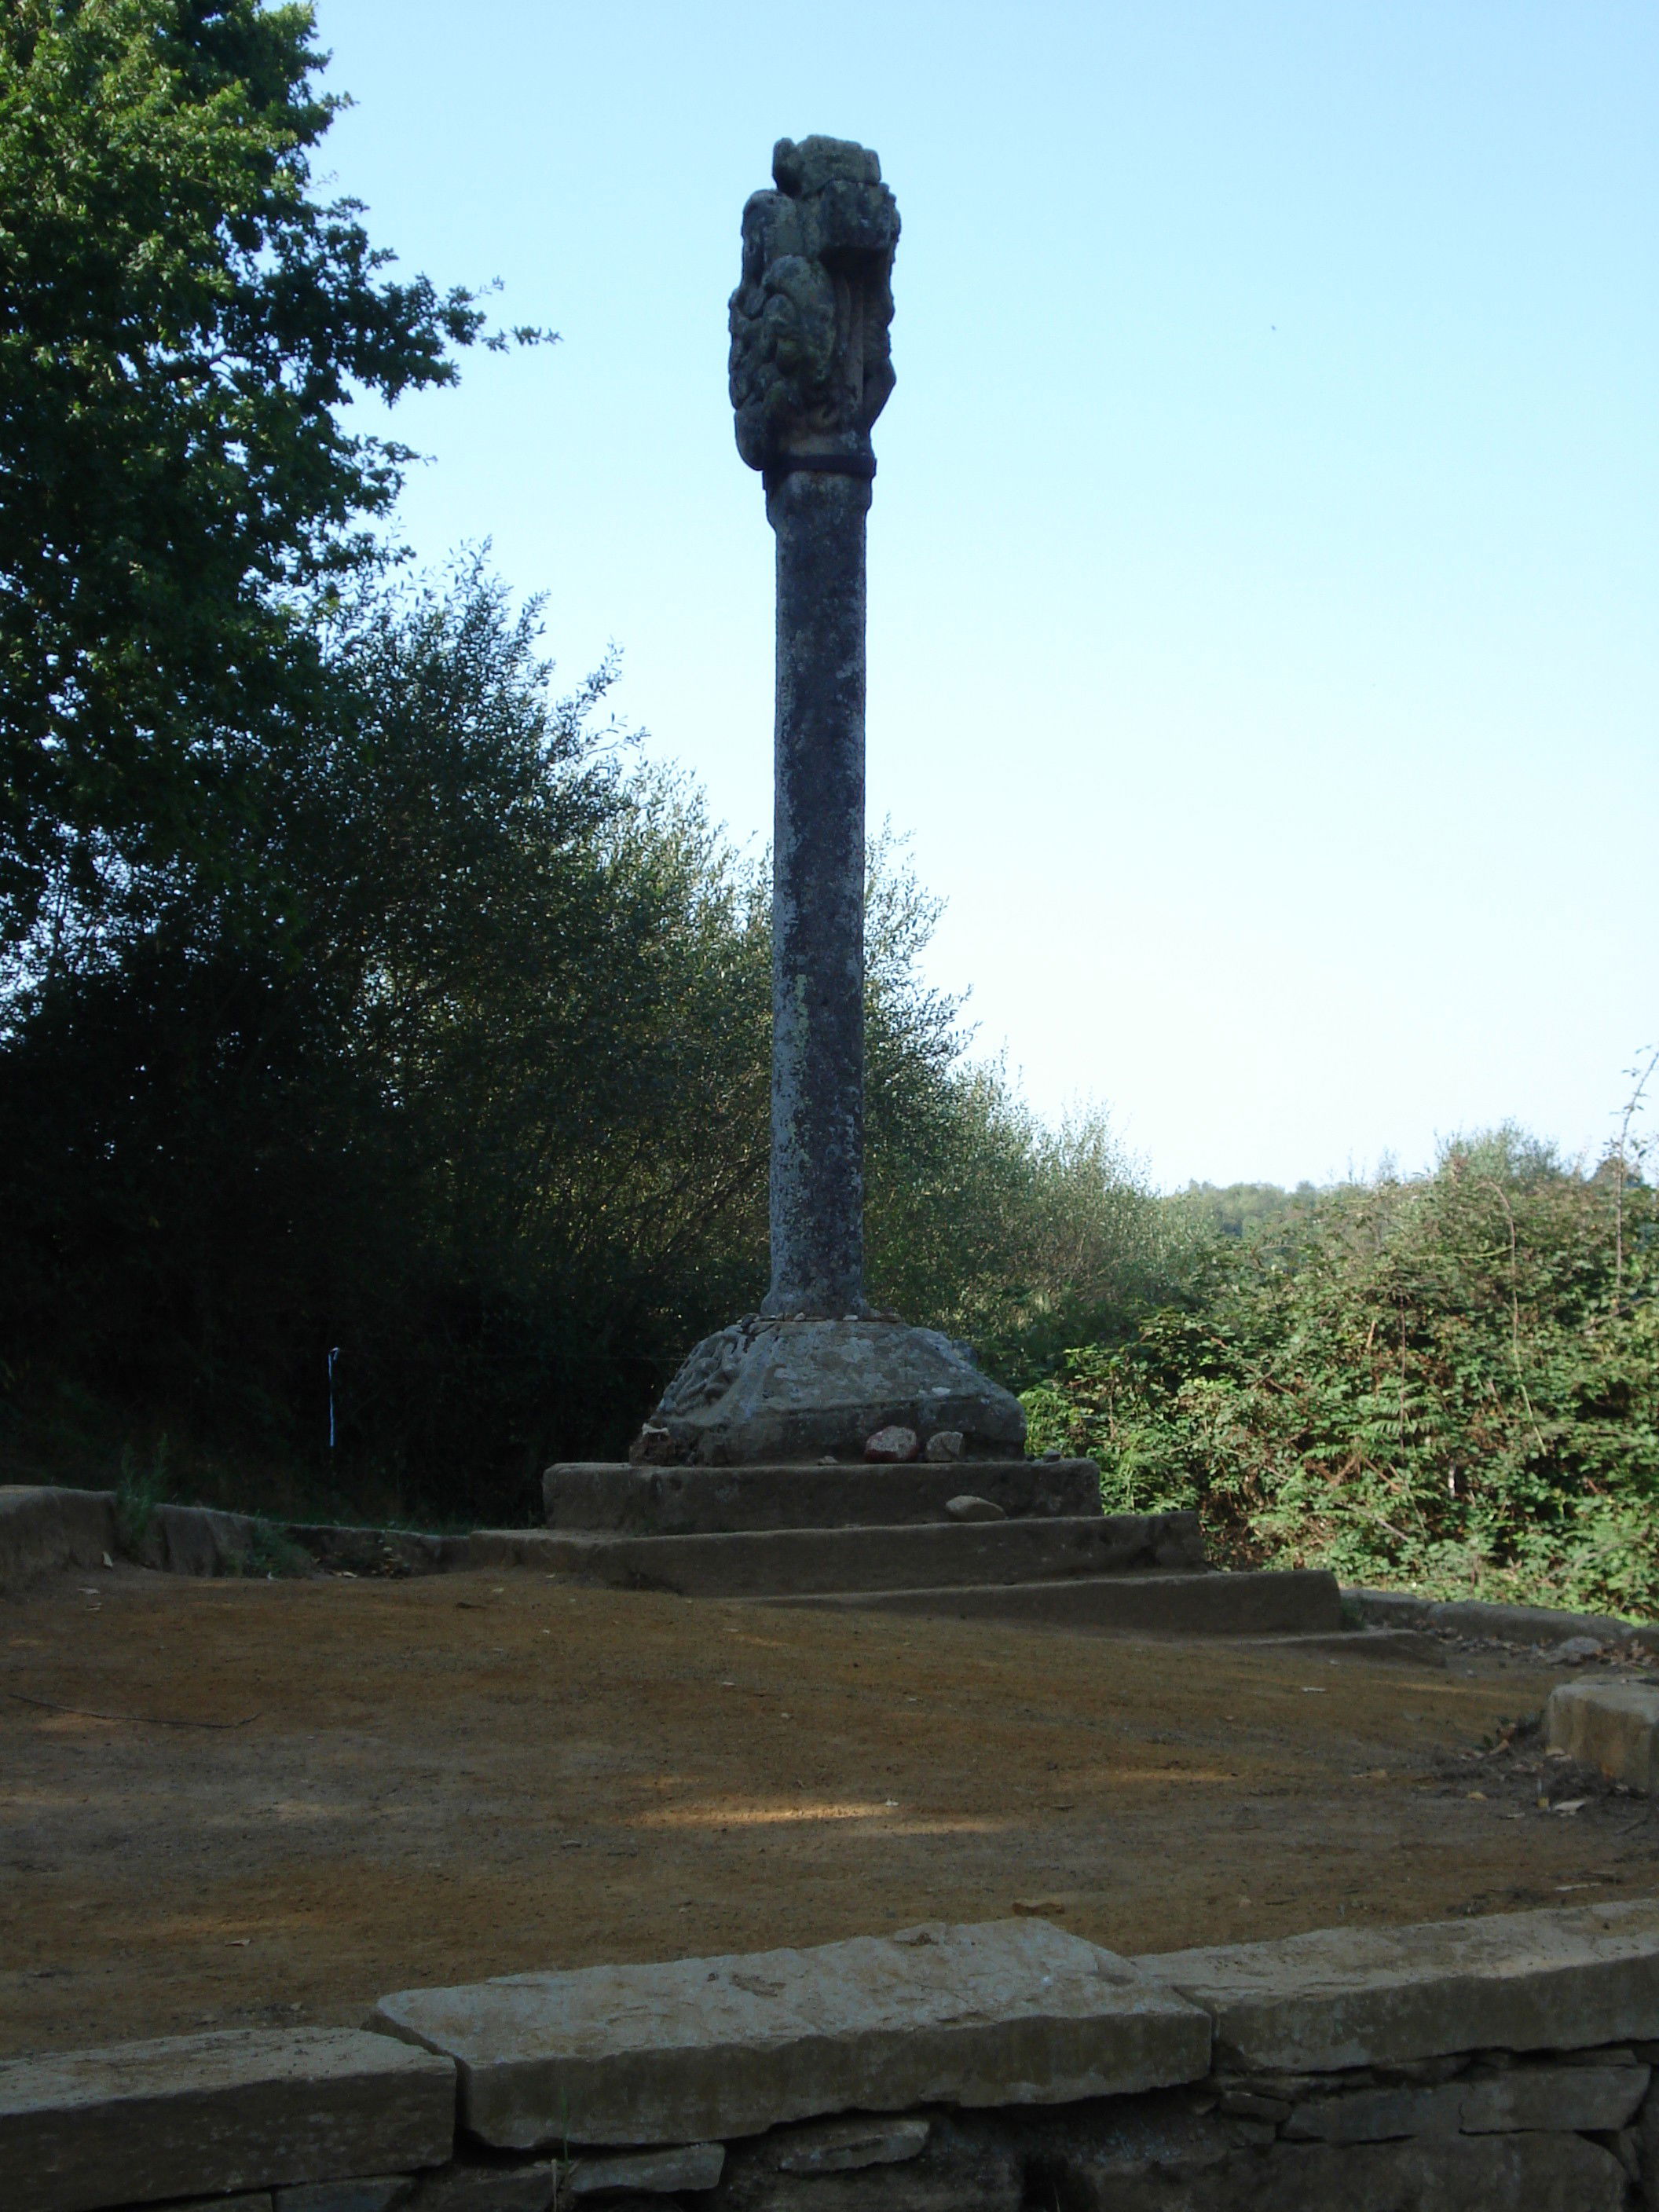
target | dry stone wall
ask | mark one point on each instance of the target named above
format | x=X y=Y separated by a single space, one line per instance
x=1495 y=2065
x=44 y=1530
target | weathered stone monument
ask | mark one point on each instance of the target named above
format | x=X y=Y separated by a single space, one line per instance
x=817 y=1371
x=750 y=1480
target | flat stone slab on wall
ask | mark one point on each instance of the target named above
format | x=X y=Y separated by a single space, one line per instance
x=1007 y=2013
x=684 y=1501
x=1345 y=1997
x=1611 y=1725
x=198 y=2115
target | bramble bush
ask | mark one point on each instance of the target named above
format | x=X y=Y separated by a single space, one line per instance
x=1448 y=1382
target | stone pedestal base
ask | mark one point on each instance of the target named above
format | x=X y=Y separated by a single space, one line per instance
x=801 y=1390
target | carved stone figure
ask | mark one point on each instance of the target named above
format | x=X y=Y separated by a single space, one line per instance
x=811 y=366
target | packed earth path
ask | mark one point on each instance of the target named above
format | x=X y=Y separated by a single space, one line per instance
x=239 y=1802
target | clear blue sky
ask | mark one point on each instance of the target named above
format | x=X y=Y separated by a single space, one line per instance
x=1265 y=550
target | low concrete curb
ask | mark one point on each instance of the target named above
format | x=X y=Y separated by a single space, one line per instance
x=1611 y=1725
x=1504 y=1623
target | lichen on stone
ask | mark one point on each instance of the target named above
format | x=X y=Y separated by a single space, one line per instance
x=810 y=365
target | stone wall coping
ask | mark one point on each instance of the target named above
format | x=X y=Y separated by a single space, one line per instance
x=1569 y=1978
x=1003 y=2012
x=199 y=2115
x=1287 y=2043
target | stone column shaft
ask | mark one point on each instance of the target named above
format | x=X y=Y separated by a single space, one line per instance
x=818 y=895
x=810 y=368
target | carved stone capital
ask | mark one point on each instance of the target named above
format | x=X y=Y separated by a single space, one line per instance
x=811 y=368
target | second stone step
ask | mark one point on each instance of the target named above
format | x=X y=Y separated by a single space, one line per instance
x=782 y=1562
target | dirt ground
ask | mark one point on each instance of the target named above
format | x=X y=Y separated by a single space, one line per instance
x=384 y=1784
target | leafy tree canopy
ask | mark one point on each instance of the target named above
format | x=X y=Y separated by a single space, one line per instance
x=181 y=322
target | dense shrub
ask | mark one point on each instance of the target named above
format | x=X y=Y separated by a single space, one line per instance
x=1450 y=1382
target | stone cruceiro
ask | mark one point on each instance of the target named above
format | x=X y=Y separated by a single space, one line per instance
x=1008 y=2013
x=810 y=368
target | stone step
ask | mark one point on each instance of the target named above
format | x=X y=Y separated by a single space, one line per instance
x=778 y=1562
x=1303 y=1601
x=617 y=1499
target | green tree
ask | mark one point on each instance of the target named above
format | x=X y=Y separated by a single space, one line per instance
x=181 y=322
x=353 y=993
